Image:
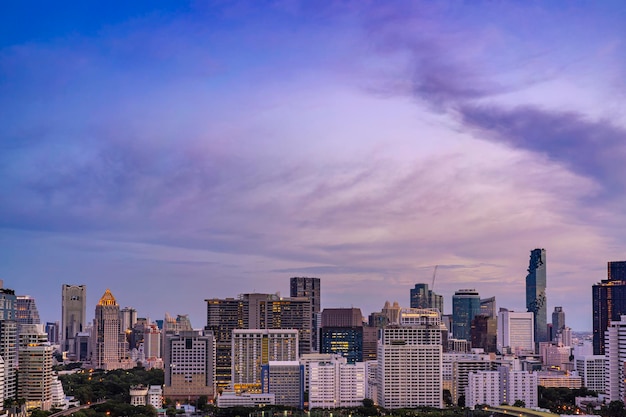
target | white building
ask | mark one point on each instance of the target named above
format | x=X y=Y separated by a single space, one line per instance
x=592 y=370
x=515 y=332
x=615 y=353
x=155 y=396
x=336 y=383
x=409 y=361
x=456 y=368
x=138 y=395
x=253 y=348
x=501 y=386
x=308 y=358
x=35 y=367
x=244 y=399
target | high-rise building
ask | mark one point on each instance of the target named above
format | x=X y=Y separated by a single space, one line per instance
x=536 y=293
x=465 y=306
x=592 y=369
x=311 y=288
x=35 y=367
x=284 y=379
x=558 y=319
x=422 y=297
x=615 y=356
x=515 y=332
x=342 y=333
x=189 y=365
x=73 y=314
x=110 y=350
x=52 y=329
x=483 y=333
x=488 y=307
x=224 y=316
x=608 y=302
x=409 y=372
x=26 y=310
x=8 y=339
x=128 y=318
x=253 y=348
x=335 y=383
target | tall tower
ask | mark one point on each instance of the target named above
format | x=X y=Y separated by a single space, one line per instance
x=309 y=287
x=465 y=306
x=26 y=311
x=558 y=319
x=422 y=297
x=73 y=314
x=609 y=302
x=110 y=346
x=536 y=293
x=8 y=340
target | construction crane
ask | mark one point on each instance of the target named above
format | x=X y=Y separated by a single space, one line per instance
x=432 y=286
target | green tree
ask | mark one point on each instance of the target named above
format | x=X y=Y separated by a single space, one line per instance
x=519 y=403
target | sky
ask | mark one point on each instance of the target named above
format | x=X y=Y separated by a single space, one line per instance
x=180 y=151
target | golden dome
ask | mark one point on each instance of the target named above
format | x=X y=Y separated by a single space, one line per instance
x=107 y=299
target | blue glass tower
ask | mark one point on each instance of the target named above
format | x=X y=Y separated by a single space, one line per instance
x=536 y=293
x=465 y=306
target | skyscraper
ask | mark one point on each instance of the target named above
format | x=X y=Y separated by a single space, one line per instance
x=558 y=319
x=536 y=293
x=110 y=346
x=608 y=301
x=515 y=332
x=311 y=288
x=465 y=306
x=73 y=314
x=615 y=356
x=422 y=297
x=25 y=310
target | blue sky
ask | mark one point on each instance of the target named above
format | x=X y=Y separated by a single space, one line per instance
x=175 y=151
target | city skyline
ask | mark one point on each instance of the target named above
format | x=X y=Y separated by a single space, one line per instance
x=175 y=152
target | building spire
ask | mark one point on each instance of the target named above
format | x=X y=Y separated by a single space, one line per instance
x=107 y=299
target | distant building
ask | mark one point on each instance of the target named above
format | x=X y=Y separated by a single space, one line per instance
x=110 y=349
x=551 y=379
x=8 y=340
x=536 y=294
x=342 y=333
x=309 y=287
x=245 y=399
x=284 y=379
x=52 y=330
x=26 y=310
x=253 y=348
x=155 y=396
x=422 y=297
x=515 y=332
x=488 y=307
x=465 y=306
x=138 y=395
x=608 y=302
x=484 y=333
x=73 y=314
x=457 y=367
x=615 y=356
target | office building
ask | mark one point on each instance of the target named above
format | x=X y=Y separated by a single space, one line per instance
x=229 y=399
x=285 y=380
x=73 y=314
x=224 y=316
x=8 y=339
x=536 y=302
x=52 y=329
x=422 y=297
x=465 y=306
x=559 y=379
x=128 y=318
x=189 y=365
x=370 y=343
x=615 y=356
x=484 y=333
x=342 y=333
x=35 y=367
x=515 y=332
x=253 y=348
x=409 y=361
x=608 y=302
x=558 y=319
x=336 y=383
x=459 y=366
x=502 y=386
x=592 y=370
x=110 y=348
x=310 y=288
x=488 y=307
x=26 y=310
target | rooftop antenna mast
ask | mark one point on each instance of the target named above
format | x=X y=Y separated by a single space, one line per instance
x=432 y=286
